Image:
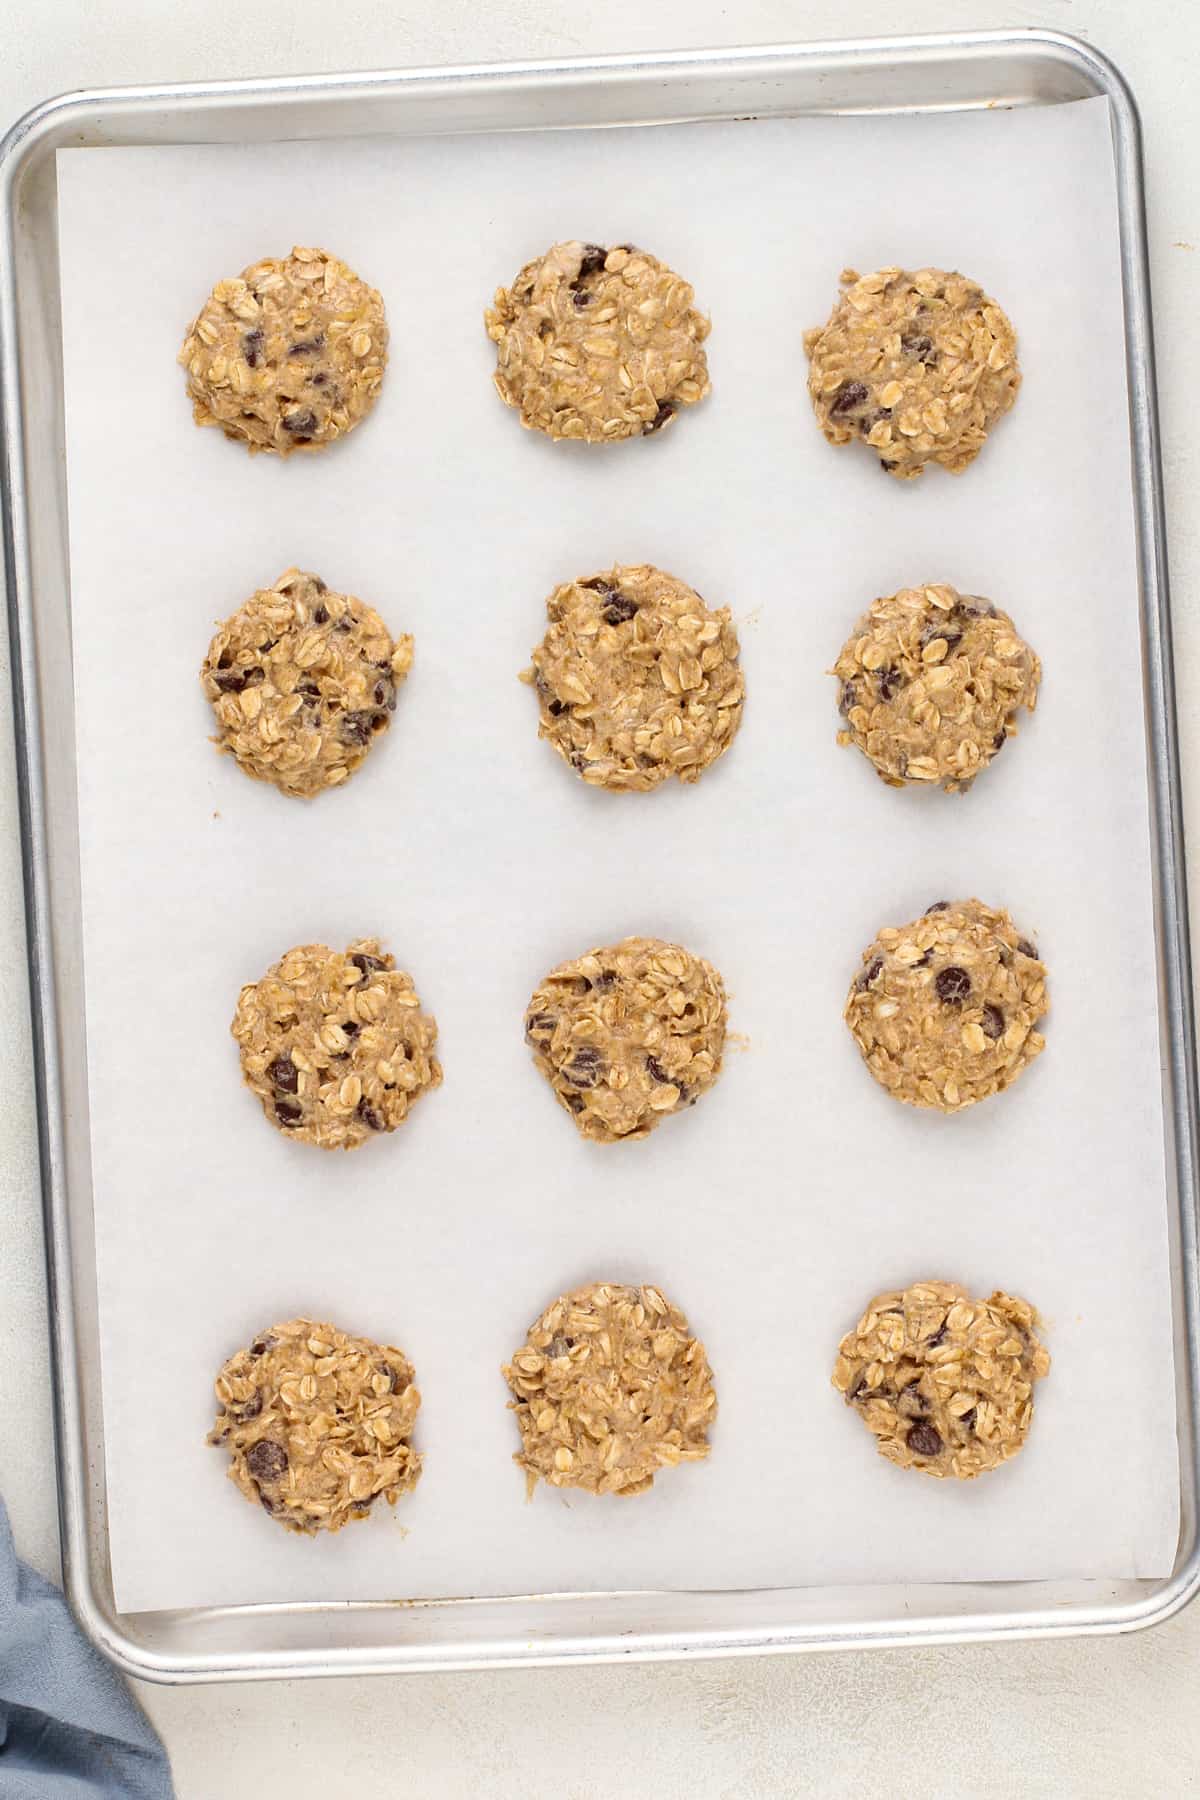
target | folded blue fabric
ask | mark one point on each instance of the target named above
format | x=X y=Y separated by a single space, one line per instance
x=69 y=1727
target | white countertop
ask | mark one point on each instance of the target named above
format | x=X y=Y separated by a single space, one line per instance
x=1083 y=1717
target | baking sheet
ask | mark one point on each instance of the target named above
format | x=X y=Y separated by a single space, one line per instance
x=797 y=1188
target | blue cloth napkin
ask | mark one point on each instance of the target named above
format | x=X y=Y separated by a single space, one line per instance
x=69 y=1727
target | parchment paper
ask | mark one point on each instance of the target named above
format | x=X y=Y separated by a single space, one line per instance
x=797 y=1188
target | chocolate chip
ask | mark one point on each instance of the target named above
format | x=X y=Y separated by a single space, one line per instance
x=860 y=1391
x=356 y=727
x=999 y=741
x=848 y=398
x=594 y=257
x=367 y=964
x=1026 y=948
x=923 y=962
x=351 y=1027
x=887 y=467
x=319 y=379
x=230 y=681
x=607 y=978
x=993 y=1022
x=938 y=906
x=665 y=412
x=925 y=1439
x=919 y=347
x=286 y=1113
x=308 y=346
x=299 y=425
x=582 y=298
x=953 y=985
x=599 y=584
x=261 y=1345
x=910 y=1403
x=266 y=1460
x=252 y=344
x=556 y=708
x=371 y=1119
x=890 y=683
x=224 y=660
x=931 y=1343
x=619 y=608
x=284 y=1075
x=656 y=1070
x=251 y=1408
x=868 y=975
x=968 y=1420
x=321 y=616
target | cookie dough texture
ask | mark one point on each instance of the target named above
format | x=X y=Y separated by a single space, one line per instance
x=627 y=1035
x=945 y=1009
x=317 y=1424
x=335 y=1044
x=930 y=684
x=637 y=679
x=597 y=344
x=609 y=1388
x=288 y=355
x=944 y=1382
x=918 y=364
x=303 y=681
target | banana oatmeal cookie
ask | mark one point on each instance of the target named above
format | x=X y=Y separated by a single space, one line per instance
x=930 y=683
x=918 y=365
x=945 y=1382
x=302 y=682
x=597 y=344
x=335 y=1045
x=945 y=1009
x=288 y=355
x=636 y=679
x=317 y=1424
x=608 y=1389
x=628 y=1034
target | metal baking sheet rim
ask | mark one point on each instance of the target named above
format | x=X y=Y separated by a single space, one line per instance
x=892 y=74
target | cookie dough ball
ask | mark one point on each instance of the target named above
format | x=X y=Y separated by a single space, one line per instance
x=945 y=1009
x=930 y=683
x=627 y=1035
x=597 y=344
x=317 y=1424
x=289 y=355
x=918 y=365
x=303 y=681
x=945 y=1382
x=609 y=1388
x=335 y=1045
x=637 y=680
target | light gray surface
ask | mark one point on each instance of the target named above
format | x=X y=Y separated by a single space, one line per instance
x=1077 y=1718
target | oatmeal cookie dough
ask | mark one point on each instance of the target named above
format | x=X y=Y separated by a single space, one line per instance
x=944 y=1382
x=919 y=365
x=288 y=355
x=945 y=1009
x=628 y=1034
x=335 y=1045
x=930 y=681
x=317 y=1424
x=597 y=344
x=609 y=1388
x=636 y=679
x=303 y=681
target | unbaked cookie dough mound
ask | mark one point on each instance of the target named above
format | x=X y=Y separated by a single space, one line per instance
x=930 y=683
x=919 y=365
x=288 y=355
x=335 y=1044
x=637 y=679
x=609 y=1388
x=944 y=1382
x=303 y=681
x=598 y=344
x=627 y=1035
x=945 y=1010
x=317 y=1424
